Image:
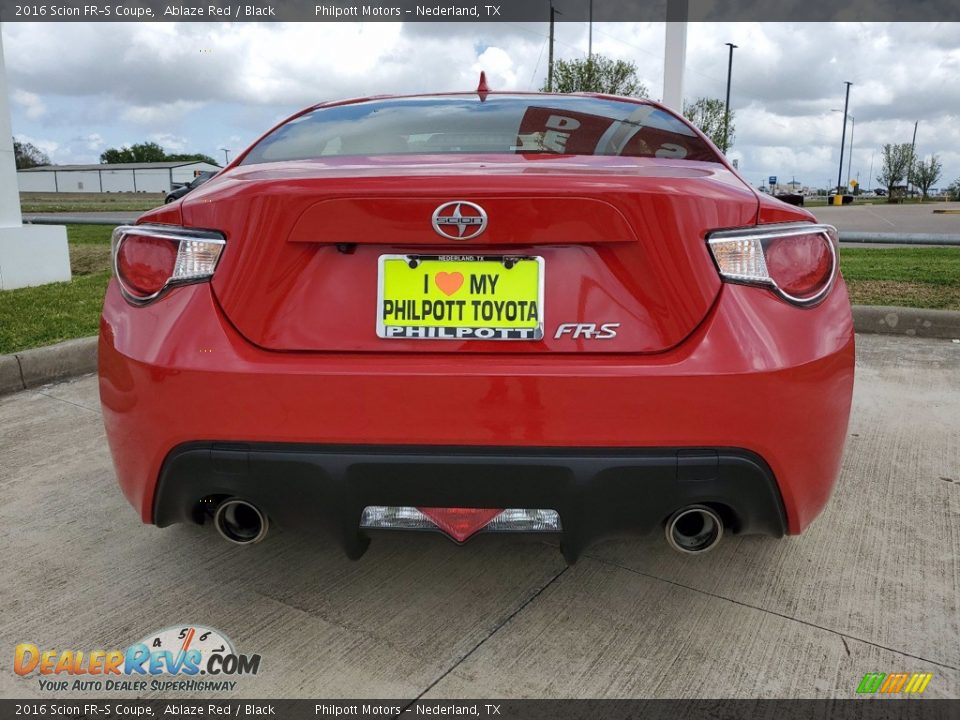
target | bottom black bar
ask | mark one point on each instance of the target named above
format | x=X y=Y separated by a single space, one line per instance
x=859 y=709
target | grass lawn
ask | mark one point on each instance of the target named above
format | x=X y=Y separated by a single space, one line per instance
x=907 y=277
x=35 y=316
x=89 y=202
x=31 y=317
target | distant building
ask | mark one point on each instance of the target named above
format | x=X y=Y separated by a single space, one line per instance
x=153 y=177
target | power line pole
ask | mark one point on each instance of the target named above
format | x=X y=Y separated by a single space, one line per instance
x=550 y=60
x=913 y=145
x=726 y=107
x=843 y=139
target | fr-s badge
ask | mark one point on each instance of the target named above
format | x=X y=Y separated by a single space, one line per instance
x=587 y=331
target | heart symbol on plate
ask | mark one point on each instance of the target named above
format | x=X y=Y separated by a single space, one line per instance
x=448 y=283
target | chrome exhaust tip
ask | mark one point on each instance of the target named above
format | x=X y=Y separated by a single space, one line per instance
x=240 y=522
x=694 y=529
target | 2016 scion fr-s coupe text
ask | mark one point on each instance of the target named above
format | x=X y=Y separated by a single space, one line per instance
x=478 y=312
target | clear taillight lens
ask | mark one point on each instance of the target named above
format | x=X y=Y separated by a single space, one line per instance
x=461 y=523
x=149 y=259
x=798 y=261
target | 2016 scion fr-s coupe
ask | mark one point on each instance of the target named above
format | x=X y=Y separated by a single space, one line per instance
x=478 y=312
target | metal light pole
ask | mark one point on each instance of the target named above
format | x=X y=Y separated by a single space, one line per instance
x=226 y=156
x=852 y=127
x=843 y=138
x=726 y=107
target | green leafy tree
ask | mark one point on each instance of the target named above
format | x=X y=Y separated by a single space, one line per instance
x=926 y=173
x=198 y=157
x=597 y=74
x=954 y=190
x=136 y=153
x=895 y=161
x=27 y=155
x=708 y=115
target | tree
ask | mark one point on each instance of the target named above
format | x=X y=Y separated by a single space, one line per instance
x=597 y=74
x=925 y=174
x=27 y=155
x=708 y=115
x=896 y=163
x=138 y=152
x=954 y=190
x=197 y=157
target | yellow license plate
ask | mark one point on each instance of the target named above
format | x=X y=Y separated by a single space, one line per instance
x=460 y=297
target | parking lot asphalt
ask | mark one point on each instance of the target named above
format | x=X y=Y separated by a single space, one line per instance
x=881 y=217
x=872 y=586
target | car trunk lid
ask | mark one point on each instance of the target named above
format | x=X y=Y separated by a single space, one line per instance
x=619 y=243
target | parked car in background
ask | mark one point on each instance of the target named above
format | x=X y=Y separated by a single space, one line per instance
x=179 y=192
x=479 y=312
x=793 y=198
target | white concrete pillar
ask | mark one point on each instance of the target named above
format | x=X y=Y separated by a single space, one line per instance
x=9 y=196
x=674 y=59
x=29 y=254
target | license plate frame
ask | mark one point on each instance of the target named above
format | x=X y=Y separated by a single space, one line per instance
x=466 y=331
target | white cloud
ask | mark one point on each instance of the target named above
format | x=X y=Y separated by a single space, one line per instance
x=160 y=114
x=170 y=143
x=198 y=83
x=33 y=107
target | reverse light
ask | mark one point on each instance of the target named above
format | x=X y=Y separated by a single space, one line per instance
x=798 y=261
x=150 y=259
x=460 y=523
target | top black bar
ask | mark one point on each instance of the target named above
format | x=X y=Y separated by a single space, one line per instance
x=483 y=11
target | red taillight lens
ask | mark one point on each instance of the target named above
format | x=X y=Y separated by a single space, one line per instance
x=460 y=523
x=797 y=260
x=148 y=259
x=800 y=266
x=146 y=264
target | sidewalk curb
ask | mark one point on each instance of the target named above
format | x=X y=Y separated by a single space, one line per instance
x=31 y=368
x=915 y=322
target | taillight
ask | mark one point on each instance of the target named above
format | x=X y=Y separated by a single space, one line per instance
x=150 y=259
x=798 y=261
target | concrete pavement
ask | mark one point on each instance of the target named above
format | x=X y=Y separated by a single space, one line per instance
x=873 y=586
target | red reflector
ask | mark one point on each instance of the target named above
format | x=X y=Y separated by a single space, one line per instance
x=800 y=265
x=460 y=523
x=145 y=264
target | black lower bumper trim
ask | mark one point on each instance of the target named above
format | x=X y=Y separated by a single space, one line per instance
x=597 y=492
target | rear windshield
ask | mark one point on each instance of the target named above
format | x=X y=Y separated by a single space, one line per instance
x=465 y=124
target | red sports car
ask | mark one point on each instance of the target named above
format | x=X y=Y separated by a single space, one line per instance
x=478 y=312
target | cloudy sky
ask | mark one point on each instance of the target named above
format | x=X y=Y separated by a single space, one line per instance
x=77 y=89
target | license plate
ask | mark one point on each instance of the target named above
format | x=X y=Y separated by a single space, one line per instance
x=460 y=297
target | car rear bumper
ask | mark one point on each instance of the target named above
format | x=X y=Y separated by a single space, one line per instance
x=596 y=492
x=764 y=385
